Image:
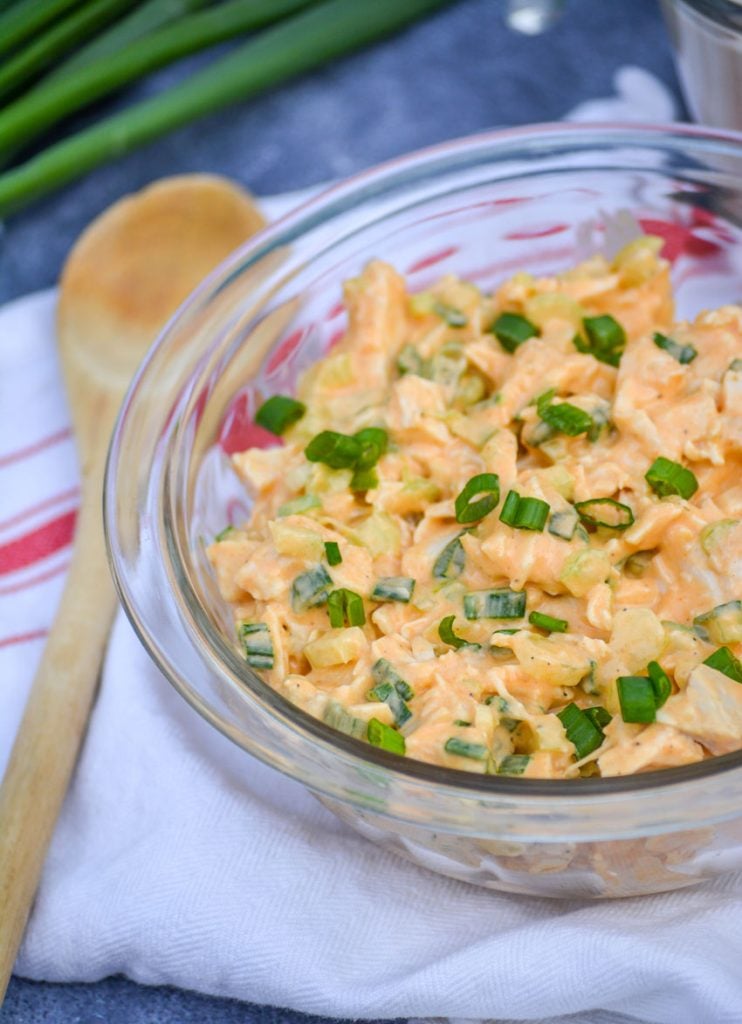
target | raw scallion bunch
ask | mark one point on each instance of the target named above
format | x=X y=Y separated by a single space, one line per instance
x=303 y=39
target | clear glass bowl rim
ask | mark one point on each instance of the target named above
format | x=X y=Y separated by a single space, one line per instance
x=494 y=147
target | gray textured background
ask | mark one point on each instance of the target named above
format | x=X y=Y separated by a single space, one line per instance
x=459 y=72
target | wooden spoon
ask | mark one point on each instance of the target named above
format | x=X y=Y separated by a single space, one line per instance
x=124 y=278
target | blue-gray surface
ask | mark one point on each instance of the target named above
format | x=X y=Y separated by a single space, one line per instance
x=460 y=71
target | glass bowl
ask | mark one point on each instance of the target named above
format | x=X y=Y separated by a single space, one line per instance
x=707 y=41
x=536 y=199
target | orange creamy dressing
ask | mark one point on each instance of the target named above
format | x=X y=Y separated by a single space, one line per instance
x=455 y=403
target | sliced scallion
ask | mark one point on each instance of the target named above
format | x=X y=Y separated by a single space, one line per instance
x=566 y=418
x=447 y=635
x=374 y=443
x=393 y=588
x=509 y=510
x=295 y=506
x=724 y=661
x=661 y=683
x=338 y=718
x=278 y=413
x=256 y=643
x=582 y=732
x=383 y=736
x=512 y=329
x=513 y=764
x=666 y=477
x=548 y=622
x=386 y=693
x=223 y=534
x=450 y=562
x=310 y=588
x=345 y=605
x=501 y=603
x=598 y=716
x=465 y=748
x=338 y=451
x=382 y=671
x=409 y=360
x=637 y=699
x=524 y=513
x=606 y=339
x=478 y=497
x=683 y=353
x=364 y=480
x=563 y=524
x=723 y=624
x=605 y=512
x=452 y=316
x=332 y=553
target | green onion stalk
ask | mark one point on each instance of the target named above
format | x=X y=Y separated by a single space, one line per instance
x=143 y=20
x=25 y=19
x=26 y=118
x=60 y=39
x=293 y=47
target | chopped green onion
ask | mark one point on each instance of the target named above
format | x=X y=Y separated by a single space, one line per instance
x=460 y=722
x=332 y=552
x=393 y=588
x=637 y=564
x=532 y=514
x=735 y=366
x=606 y=339
x=382 y=671
x=296 y=506
x=338 y=451
x=374 y=443
x=582 y=732
x=666 y=477
x=409 y=360
x=223 y=534
x=598 y=716
x=450 y=562
x=464 y=748
x=469 y=505
x=563 y=524
x=447 y=635
x=384 y=736
x=566 y=418
x=722 y=624
x=256 y=643
x=387 y=694
x=453 y=317
x=337 y=717
x=605 y=512
x=511 y=330
x=661 y=683
x=360 y=453
x=345 y=604
x=297 y=45
x=524 y=513
x=637 y=699
x=548 y=622
x=683 y=353
x=310 y=588
x=724 y=661
x=278 y=413
x=364 y=480
x=513 y=764
x=509 y=510
x=495 y=604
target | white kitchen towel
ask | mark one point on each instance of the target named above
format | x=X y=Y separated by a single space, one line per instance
x=180 y=860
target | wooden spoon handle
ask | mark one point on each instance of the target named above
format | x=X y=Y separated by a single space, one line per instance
x=53 y=726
